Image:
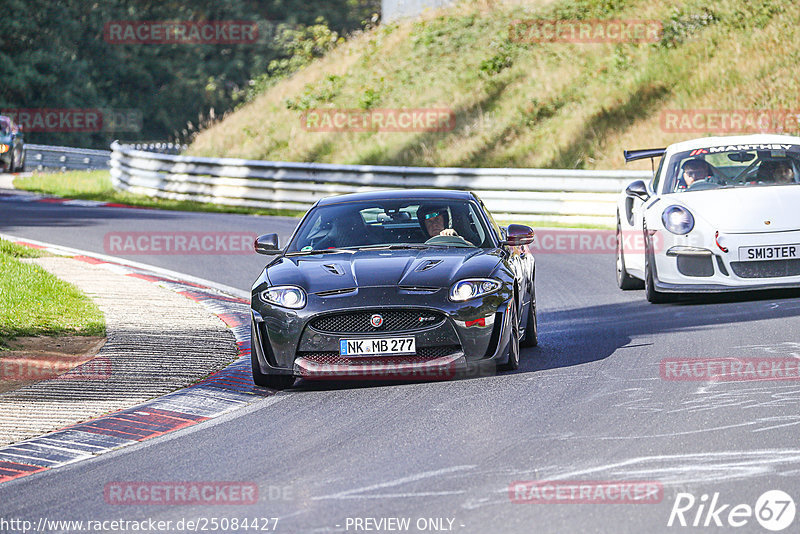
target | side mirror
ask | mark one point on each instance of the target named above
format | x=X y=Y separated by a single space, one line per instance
x=519 y=235
x=267 y=244
x=637 y=189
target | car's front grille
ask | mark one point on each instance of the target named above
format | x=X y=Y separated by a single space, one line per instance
x=766 y=269
x=695 y=265
x=360 y=322
x=423 y=354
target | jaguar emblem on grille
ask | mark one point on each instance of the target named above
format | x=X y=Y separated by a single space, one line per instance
x=376 y=320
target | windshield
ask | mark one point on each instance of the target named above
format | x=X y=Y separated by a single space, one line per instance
x=392 y=223
x=733 y=166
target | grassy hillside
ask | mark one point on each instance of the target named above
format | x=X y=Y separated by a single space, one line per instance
x=557 y=105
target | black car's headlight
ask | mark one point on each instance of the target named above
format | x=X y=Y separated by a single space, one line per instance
x=473 y=287
x=4 y=148
x=285 y=296
x=677 y=220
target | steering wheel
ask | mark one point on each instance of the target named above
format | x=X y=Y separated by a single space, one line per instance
x=452 y=240
x=700 y=185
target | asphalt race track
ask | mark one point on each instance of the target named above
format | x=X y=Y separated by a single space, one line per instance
x=588 y=404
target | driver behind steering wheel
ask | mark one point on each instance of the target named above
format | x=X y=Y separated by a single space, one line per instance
x=435 y=220
x=694 y=170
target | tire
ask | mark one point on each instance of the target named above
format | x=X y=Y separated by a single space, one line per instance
x=267 y=381
x=21 y=166
x=513 y=342
x=531 y=337
x=624 y=280
x=653 y=296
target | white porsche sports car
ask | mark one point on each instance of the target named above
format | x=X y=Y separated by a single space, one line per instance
x=720 y=214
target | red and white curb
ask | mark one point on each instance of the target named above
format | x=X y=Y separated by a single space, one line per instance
x=220 y=393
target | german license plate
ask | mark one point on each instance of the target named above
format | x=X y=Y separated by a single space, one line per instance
x=379 y=346
x=770 y=252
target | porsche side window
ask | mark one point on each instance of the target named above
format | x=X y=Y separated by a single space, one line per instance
x=657 y=176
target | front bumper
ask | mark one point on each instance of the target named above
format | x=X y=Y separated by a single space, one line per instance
x=441 y=368
x=284 y=342
x=688 y=264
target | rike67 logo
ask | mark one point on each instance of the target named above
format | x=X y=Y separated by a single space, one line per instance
x=774 y=510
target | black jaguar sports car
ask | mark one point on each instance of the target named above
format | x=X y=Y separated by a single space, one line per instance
x=411 y=284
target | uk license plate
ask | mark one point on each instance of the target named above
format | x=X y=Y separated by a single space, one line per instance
x=771 y=252
x=377 y=346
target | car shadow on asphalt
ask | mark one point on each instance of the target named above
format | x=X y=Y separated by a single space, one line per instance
x=581 y=335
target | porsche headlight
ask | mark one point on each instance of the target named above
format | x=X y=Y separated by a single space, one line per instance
x=285 y=296
x=677 y=220
x=471 y=288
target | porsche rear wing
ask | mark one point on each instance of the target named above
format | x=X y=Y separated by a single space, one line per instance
x=633 y=155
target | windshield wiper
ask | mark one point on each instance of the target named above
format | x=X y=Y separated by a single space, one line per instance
x=396 y=246
x=321 y=251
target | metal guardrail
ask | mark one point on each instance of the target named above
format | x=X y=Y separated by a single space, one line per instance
x=41 y=157
x=157 y=146
x=49 y=157
x=572 y=196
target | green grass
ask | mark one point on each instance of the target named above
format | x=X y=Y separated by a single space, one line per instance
x=7 y=248
x=96 y=185
x=34 y=302
x=540 y=105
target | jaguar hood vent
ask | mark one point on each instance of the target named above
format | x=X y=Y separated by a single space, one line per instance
x=427 y=264
x=334 y=292
x=333 y=268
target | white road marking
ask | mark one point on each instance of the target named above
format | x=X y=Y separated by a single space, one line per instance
x=349 y=494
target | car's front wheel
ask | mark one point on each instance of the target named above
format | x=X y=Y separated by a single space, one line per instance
x=19 y=161
x=624 y=280
x=531 y=337
x=513 y=342
x=650 y=292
